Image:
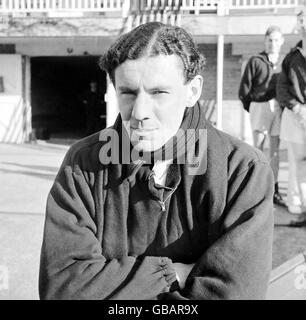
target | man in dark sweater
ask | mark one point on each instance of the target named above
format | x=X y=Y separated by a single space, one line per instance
x=161 y=205
x=291 y=93
x=258 y=92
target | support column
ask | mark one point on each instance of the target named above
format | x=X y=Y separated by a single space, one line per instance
x=220 y=59
x=27 y=98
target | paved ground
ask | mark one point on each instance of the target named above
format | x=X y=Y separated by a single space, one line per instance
x=26 y=176
x=289 y=234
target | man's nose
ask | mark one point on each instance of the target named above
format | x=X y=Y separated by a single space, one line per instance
x=141 y=107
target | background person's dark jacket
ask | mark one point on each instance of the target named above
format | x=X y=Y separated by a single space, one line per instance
x=291 y=87
x=258 y=83
x=101 y=221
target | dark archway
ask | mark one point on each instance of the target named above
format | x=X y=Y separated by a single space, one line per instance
x=58 y=90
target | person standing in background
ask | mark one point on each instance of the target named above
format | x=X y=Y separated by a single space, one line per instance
x=258 y=92
x=291 y=94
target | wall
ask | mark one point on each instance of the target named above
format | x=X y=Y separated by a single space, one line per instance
x=58 y=27
x=235 y=121
x=11 y=102
x=238 y=24
x=58 y=46
x=231 y=74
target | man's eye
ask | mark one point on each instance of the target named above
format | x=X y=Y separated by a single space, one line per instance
x=129 y=93
x=156 y=92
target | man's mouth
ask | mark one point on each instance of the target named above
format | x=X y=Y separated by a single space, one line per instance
x=143 y=129
x=142 y=132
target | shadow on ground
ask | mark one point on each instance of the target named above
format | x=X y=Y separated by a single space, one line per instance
x=31 y=170
x=289 y=235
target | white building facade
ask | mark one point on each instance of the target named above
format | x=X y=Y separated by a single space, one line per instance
x=49 y=50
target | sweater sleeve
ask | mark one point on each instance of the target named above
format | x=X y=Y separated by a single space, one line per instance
x=72 y=265
x=283 y=89
x=238 y=262
x=246 y=84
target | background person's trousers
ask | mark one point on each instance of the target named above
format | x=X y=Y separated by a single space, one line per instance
x=296 y=195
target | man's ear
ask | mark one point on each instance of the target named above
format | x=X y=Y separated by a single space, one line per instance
x=194 y=90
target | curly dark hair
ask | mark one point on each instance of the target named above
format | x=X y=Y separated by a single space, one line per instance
x=152 y=39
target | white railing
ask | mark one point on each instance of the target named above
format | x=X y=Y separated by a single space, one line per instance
x=221 y=7
x=154 y=5
x=163 y=6
x=25 y=6
x=264 y=4
x=166 y=11
x=176 y=4
x=201 y=5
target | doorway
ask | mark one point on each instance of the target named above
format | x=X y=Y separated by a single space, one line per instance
x=59 y=86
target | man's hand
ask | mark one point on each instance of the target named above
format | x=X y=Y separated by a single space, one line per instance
x=154 y=276
x=300 y=111
x=182 y=271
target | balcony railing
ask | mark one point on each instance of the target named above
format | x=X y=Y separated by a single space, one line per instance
x=195 y=6
x=198 y=6
x=264 y=4
x=28 y=6
x=220 y=7
x=224 y=7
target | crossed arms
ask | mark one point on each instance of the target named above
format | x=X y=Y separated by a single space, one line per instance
x=236 y=264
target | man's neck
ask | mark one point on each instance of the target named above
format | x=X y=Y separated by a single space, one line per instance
x=273 y=57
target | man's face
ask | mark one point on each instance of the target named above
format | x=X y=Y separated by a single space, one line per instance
x=274 y=42
x=152 y=96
